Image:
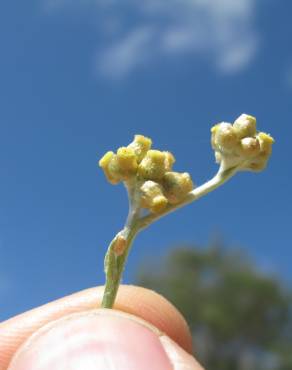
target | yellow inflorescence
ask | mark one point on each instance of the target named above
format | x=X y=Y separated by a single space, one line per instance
x=241 y=143
x=155 y=164
x=140 y=145
x=127 y=161
x=176 y=185
x=245 y=126
x=152 y=169
x=225 y=135
x=153 y=197
x=106 y=163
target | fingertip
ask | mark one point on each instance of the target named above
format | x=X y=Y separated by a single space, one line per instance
x=180 y=359
x=98 y=340
x=157 y=310
x=95 y=340
x=138 y=301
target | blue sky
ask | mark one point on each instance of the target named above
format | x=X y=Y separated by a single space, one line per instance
x=78 y=80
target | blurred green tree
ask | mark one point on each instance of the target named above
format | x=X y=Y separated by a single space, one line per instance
x=240 y=318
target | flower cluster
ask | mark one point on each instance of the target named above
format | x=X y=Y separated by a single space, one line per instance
x=154 y=186
x=152 y=171
x=239 y=144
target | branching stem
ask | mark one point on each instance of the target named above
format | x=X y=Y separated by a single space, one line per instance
x=220 y=178
x=120 y=246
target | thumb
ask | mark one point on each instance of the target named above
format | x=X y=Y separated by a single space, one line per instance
x=100 y=340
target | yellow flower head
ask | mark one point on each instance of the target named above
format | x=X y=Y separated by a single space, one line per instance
x=239 y=145
x=152 y=197
x=245 y=126
x=109 y=165
x=176 y=186
x=224 y=136
x=127 y=160
x=140 y=146
x=155 y=164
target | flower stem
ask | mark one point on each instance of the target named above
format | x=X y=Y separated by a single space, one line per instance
x=114 y=264
x=220 y=178
x=120 y=246
x=118 y=250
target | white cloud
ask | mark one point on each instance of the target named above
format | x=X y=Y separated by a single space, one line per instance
x=123 y=56
x=220 y=31
x=238 y=56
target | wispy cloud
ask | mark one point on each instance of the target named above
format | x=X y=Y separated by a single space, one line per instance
x=126 y=54
x=136 y=32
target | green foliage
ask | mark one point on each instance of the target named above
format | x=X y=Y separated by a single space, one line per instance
x=240 y=318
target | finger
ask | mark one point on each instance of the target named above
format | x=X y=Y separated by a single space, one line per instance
x=141 y=302
x=98 y=340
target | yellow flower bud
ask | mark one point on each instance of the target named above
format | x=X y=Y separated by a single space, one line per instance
x=176 y=186
x=110 y=167
x=260 y=161
x=249 y=147
x=169 y=160
x=119 y=167
x=214 y=129
x=104 y=161
x=224 y=137
x=266 y=142
x=140 y=145
x=155 y=164
x=113 y=170
x=127 y=161
x=152 y=197
x=245 y=126
x=158 y=204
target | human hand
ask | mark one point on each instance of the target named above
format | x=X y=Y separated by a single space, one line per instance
x=144 y=332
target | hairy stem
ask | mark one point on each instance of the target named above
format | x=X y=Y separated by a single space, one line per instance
x=118 y=250
x=115 y=261
x=120 y=246
x=220 y=178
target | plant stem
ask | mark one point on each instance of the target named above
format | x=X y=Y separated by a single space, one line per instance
x=115 y=261
x=118 y=250
x=120 y=246
x=220 y=178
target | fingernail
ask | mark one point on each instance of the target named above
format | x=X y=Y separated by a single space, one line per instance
x=179 y=358
x=97 y=340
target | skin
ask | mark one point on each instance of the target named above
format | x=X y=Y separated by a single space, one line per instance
x=143 y=326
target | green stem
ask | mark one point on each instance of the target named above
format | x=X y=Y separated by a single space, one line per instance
x=120 y=246
x=220 y=178
x=118 y=250
x=115 y=261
